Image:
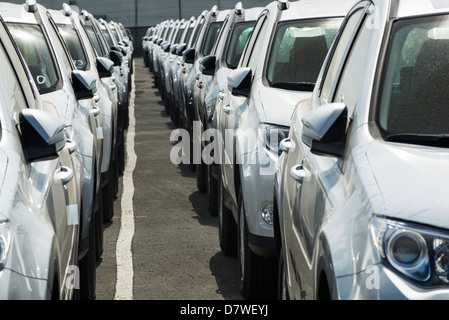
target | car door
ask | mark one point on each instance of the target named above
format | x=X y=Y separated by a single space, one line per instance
x=313 y=183
x=234 y=106
x=52 y=184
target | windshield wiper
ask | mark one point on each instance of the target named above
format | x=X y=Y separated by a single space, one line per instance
x=433 y=140
x=297 y=86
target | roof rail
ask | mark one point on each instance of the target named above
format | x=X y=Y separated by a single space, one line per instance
x=213 y=11
x=67 y=10
x=31 y=6
x=283 y=4
x=238 y=8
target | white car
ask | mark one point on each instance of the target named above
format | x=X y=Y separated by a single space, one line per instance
x=82 y=52
x=215 y=67
x=71 y=91
x=40 y=212
x=278 y=68
x=361 y=192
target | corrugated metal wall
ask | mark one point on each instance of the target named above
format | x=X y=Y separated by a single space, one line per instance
x=144 y=13
x=138 y=15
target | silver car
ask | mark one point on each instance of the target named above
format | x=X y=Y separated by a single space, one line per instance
x=71 y=91
x=215 y=67
x=82 y=52
x=40 y=215
x=361 y=190
x=278 y=68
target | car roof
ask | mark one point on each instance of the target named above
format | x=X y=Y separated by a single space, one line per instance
x=407 y=8
x=309 y=9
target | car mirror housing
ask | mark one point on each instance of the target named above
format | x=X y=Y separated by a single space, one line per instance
x=105 y=67
x=116 y=57
x=239 y=81
x=207 y=65
x=180 y=49
x=42 y=135
x=189 y=56
x=324 y=130
x=83 y=84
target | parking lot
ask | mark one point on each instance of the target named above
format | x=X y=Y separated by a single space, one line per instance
x=175 y=250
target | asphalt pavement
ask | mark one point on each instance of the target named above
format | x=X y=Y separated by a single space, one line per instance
x=173 y=250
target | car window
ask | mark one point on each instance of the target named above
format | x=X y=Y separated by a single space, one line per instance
x=414 y=82
x=343 y=45
x=351 y=78
x=33 y=46
x=256 y=50
x=211 y=37
x=196 y=33
x=239 y=37
x=94 y=40
x=74 y=45
x=11 y=88
x=298 y=52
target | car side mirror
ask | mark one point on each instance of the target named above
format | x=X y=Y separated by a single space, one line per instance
x=180 y=49
x=166 y=47
x=239 y=81
x=189 y=56
x=42 y=135
x=105 y=67
x=116 y=57
x=173 y=48
x=324 y=130
x=84 y=85
x=207 y=65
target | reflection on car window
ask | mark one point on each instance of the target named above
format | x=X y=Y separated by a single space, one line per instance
x=298 y=52
x=415 y=79
x=94 y=40
x=34 y=48
x=211 y=37
x=237 y=43
x=73 y=44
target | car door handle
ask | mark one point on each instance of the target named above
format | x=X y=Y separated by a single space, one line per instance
x=200 y=84
x=221 y=95
x=96 y=98
x=286 y=145
x=65 y=174
x=227 y=108
x=96 y=111
x=71 y=145
x=113 y=87
x=299 y=173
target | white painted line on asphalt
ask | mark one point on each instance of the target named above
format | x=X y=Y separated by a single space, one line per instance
x=124 y=255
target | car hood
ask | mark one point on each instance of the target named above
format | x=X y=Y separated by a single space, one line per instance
x=278 y=104
x=412 y=182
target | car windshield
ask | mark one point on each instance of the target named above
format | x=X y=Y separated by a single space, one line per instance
x=413 y=107
x=237 y=43
x=211 y=37
x=32 y=45
x=298 y=52
x=74 y=45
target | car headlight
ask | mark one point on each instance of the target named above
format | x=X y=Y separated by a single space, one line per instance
x=272 y=135
x=419 y=252
x=5 y=239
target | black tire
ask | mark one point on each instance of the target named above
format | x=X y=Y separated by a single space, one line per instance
x=99 y=228
x=201 y=172
x=212 y=192
x=282 y=290
x=88 y=267
x=121 y=158
x=227 y=227
x=258 y=275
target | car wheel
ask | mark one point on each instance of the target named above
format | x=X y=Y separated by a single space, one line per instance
x=227 y=227
x=282 y=287
x=201 y=172
x=88 y=267
x=108 y=196
x=213 y=191
x=258 y=280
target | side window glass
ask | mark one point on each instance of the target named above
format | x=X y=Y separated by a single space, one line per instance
x=252 y=38
x=351 y=79
x=339 y=55
x=11 y=87
x=257 y=49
